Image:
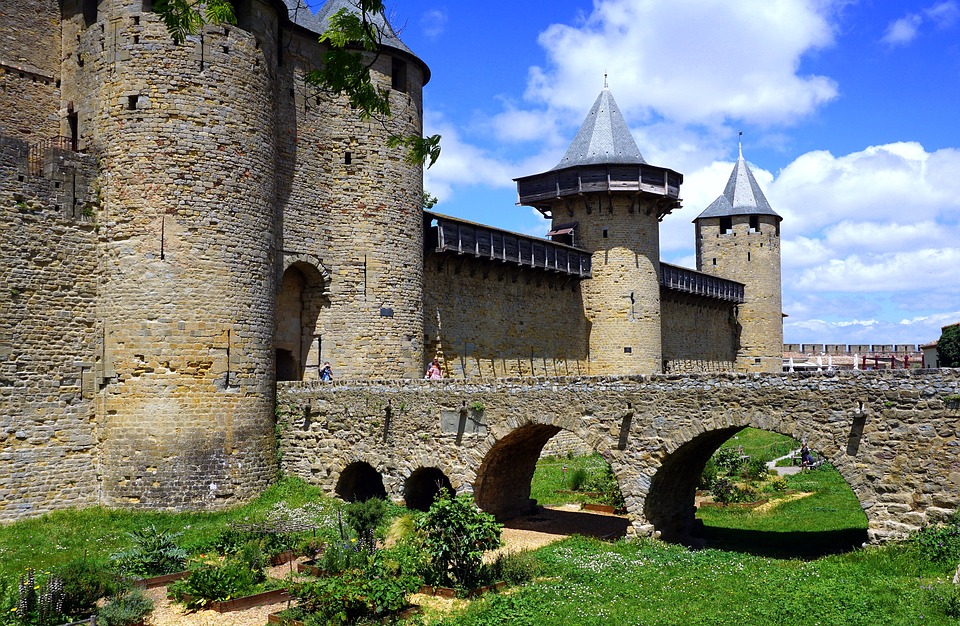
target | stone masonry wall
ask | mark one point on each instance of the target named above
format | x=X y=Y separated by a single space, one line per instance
x=498 y=321
x=29 y=69
x=354 y=203
x=699 y=334
x=48 y=261
x=185 y=138
x=894 y=436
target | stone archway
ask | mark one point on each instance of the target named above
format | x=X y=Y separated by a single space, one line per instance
x=502 y=487
x=298 y=326
x=359 y=481
x=423 y=486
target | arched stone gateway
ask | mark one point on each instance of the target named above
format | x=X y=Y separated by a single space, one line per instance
x=894 y=436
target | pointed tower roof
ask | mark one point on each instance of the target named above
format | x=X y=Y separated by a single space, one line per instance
x=603 y=139
x=742 y=195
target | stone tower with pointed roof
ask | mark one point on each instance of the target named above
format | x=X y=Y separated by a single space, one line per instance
x=738 y=238
x=613 y=201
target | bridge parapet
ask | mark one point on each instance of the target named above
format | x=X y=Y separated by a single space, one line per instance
x=893 y=435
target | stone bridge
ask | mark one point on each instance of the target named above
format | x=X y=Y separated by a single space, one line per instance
x=894 y=436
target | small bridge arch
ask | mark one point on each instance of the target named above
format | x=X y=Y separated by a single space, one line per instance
x=894 y=436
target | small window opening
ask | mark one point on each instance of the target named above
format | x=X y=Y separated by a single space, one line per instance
x=347 y=158
x=132 y=103
x=726 y=225
x=778 y=229
x=226 y=49
x=399 y=75
x=136 y=39
x=748 y=255
x=136 y=20
x=627 y=350
x=757 y=361
x=755 y=223
x=604 y=233
x=714 y=260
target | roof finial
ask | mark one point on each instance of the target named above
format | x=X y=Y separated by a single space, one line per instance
x=740 y=143
x=605 y=80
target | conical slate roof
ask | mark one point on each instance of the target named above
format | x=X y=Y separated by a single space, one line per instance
x=389 y=36
x=603 y=138
x=742 y=196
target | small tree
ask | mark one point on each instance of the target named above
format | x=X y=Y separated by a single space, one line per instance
x=456 y=534
x=948 y=346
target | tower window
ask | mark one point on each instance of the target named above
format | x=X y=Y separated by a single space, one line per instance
x=604 y=233
x=398 y=75
x=627 y=350
x=748 y=255
x=347 y=158
x=132 y=103
x=714 y=260
x=755 y=223
x=726 y=225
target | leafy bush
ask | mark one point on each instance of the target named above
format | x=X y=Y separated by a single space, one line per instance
x=339 y=556
x=577 y=479
x=939 y=544
x=154 y=553
x=85 y=581
x=515 y=567
x=125 y=609
x=364 y=517
x=708 y=475
x=777 y=484
x=754 y=469
x=728 y=459
x=456 y=534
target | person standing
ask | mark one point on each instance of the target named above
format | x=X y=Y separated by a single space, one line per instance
x=434 y=372
x=326 y=374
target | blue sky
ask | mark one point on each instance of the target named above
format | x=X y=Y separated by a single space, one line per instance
x=849 y=111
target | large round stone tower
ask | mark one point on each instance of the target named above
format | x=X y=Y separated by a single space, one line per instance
x=611 y=201
x=738 y=238
x=185 y=139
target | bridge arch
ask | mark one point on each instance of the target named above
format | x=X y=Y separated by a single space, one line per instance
x=360 y=481
x=421 y=488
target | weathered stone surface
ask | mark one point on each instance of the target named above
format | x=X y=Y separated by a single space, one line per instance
x=674 y=424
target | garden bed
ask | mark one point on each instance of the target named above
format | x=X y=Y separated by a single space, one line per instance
x=161 y=581
x=283 y=620
x=246 y=602
x=449 y=592
x=740 y=505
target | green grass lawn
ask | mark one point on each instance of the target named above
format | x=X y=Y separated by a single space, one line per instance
x=762 y=444
x=549 y=479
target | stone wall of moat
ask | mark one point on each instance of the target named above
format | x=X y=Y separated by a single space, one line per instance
x=894 y=436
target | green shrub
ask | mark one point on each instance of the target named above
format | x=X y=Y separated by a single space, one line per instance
x=728 y=459
x=777 y=484
x=938 y=544
x=754 y=469
x=253 y=557
x=364 y=517
x=577 y=479
x=125 y=609
x=339 y=556
x=456 y=534
x=515 y=567
x=153 y=553
x=85 y=581
x=708 y=475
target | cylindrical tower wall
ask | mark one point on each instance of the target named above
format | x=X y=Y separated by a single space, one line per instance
x=622 y=300
x=747 y=250
x=185 y=138
x=357 y=204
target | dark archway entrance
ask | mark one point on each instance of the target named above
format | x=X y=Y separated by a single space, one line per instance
x=297 y=333
x=359 y=482
x=422 y=487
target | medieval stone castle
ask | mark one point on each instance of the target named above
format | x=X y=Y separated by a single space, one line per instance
x=186 y=225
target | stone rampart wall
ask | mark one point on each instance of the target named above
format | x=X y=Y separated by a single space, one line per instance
x=699 y=335
x=48 y=269
x=491 y=320
x=894 y=436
